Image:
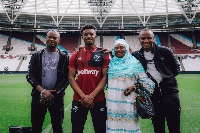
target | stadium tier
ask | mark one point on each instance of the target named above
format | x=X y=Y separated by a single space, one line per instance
x=18 y=56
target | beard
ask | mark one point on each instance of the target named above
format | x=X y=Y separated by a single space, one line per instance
x=89 y=44
x=52 y=46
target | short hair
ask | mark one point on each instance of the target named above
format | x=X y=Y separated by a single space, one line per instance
x=87 y=26
x=146 y=29
x=54 y=30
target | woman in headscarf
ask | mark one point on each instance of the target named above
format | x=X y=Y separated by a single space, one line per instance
x=124 y=71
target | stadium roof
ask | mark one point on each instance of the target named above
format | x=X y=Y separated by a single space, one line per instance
x=108 y=15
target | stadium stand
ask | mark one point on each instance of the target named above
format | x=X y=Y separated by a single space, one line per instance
x=157 y=40
x=19 y=46
x=197 y=37
x=3 y=42
x=10 y=62
x=183 y=39
x=191 y=62
x=163 y=37
x=18 y=58
x=180 y=48
x=41 y=38
x=25 y=63
x=108 y=41
x=69 y=41
x=133 y=42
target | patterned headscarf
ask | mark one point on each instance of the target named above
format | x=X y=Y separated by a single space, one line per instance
x=127 y=66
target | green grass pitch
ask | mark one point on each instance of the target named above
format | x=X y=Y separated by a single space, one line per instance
x=15 y=101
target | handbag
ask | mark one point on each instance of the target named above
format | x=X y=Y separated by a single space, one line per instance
x=143 y=102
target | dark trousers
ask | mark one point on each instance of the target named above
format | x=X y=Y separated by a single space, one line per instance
x=38 y=112
x=79 y=116
x=168 y=107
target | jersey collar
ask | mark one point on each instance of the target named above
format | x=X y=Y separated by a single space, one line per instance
x=92 y=50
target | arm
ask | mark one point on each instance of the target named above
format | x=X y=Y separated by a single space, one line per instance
x=172 y=62
x=62 y=80
x=147 y=83
x=141 y=78
x=144 y=80
x=104 y=78
x=88 y=99
x=33 y=76
x=128 y=90
x=74 y=84
x=72 y=75
x=101 y=84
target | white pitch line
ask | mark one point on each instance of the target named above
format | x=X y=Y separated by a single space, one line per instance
x=49 y=127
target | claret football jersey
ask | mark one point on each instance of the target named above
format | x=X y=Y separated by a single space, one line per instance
x=89 y=64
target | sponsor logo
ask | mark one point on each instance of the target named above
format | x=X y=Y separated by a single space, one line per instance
x=97 y=58
x=79 y=58
x=86 y=71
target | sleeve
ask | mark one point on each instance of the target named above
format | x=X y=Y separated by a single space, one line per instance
x=72 y=61
x=31 y=73
x=134 y=54
x=106 y=61
x=145 y=81
x=172 y=62
x=63 y=79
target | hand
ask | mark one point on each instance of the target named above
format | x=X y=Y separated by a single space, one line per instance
x=106 y=51
x=79 y=48
x=129 y=90
x=48 y=96
x=87 y=101
x=82 y=98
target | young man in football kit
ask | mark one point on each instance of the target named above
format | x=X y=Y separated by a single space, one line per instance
x=90 y=65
